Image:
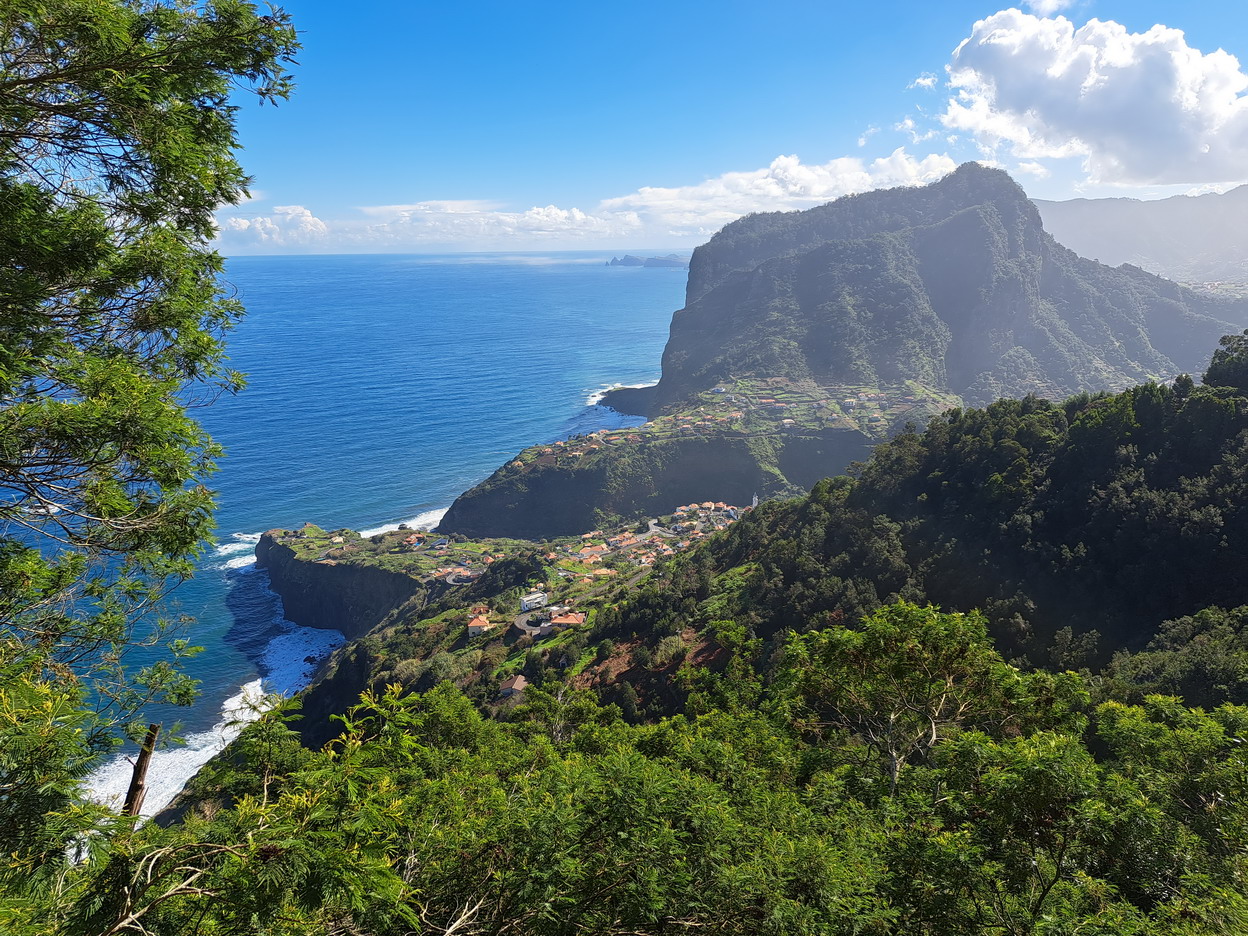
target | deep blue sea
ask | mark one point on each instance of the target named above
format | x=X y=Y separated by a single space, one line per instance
x=379 y=388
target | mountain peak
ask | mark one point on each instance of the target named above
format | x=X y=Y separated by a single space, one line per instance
x=753 y=239
x=954 y=285
x=979 y=182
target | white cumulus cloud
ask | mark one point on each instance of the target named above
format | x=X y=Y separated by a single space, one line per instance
x=1139 y=108
x=785 y=185
x=648 y=217
x=912 y=130
x=481 y=223
x=288 y=225
x=1048 y=7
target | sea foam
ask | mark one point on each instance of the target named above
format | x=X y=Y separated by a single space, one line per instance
x=172 y=768
x=422 y=521
x=287 y=664
x=595 y=396
x=237 y=553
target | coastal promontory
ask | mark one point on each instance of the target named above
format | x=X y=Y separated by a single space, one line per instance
x=807 y=337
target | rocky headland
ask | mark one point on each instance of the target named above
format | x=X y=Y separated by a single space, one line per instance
x=321 y=589
x=807 y=337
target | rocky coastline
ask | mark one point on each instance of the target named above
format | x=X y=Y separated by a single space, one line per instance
x=330 y=594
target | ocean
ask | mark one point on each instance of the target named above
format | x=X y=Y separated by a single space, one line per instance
x=379 y=388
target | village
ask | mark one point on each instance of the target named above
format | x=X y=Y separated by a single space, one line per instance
x=760 y=407
x=579 y=570
x=579 y=573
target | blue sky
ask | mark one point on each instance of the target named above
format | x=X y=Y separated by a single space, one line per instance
x=421 y=127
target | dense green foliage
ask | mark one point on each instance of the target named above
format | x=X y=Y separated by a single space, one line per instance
x=991 y=800
x=1229 y=367
x=116 y=147
x=802 y=746
x=795 y=750
x=1109 y=514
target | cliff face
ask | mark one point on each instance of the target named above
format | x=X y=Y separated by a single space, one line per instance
x=648 y=479
x=955 y=285
x=328 y=594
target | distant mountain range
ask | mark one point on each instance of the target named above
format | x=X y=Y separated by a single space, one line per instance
x=1192 y=239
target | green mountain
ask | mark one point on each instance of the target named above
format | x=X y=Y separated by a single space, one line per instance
x=770 y=733
x=1077 y=528
x=955 y=285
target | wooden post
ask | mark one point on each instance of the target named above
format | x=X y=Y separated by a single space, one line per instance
x=138 y=780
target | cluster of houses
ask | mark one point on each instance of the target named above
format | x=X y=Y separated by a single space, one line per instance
x=421 y=540
x=537 y=618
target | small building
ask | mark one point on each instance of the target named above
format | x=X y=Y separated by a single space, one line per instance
x=534 y=599
x=513 y=686
x=479 y=625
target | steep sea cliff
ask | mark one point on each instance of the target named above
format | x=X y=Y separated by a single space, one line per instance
x=548 y=497
x=337 y=596
x=806 y=337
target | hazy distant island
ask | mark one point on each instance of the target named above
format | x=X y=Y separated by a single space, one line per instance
x=671 y=261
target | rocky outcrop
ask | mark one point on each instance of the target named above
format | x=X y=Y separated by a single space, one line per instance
x=954 y=289
x=631 y=401
x=671 y=262
x=330 y=594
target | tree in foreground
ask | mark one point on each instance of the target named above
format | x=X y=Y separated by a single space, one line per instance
x=117 y=140
x=1229 y=366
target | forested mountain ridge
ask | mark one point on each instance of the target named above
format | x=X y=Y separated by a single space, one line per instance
x=1078 y=529
x=1108 y=514
x=955 y=285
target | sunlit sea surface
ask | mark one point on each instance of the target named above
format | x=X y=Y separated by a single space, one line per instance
x=379 y=388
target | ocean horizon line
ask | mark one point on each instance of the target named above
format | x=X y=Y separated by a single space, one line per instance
x=683 y=250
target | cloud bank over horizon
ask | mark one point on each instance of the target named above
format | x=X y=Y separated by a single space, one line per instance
x=1030 y=92
x=653 y=215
